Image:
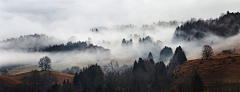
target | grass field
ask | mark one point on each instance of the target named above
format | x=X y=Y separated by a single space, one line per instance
x=225 y=68
x=60 y=76
x=4 y=81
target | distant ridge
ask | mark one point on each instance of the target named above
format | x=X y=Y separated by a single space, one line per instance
x=226 y=25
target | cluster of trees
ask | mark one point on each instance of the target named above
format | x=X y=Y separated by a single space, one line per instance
x=225 y=26
x=90 y=78
x=126 y=42
x=32 y=42
x=178 y=58
x=148 y=42
x=166 y=54
x=125 y=27
x=145 y=75
x=194 y=84
x=4 y=69
x=37 y=81
x=72 y=71
x=80 y=46
x=161 y=24
x=147 y=39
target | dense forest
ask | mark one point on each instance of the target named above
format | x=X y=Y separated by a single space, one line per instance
x=79 y=46
x=145 y=75
x=226 y=25
x=153 y=67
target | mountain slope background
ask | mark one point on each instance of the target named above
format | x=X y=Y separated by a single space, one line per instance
x=226 y=25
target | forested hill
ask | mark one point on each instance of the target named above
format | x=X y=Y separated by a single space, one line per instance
x=79 y=46
x=131 y=27
x=226 y=25
x=26 y=42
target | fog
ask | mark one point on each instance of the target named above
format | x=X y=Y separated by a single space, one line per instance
x=125 y=55
x=68 y=17
x=63 y=19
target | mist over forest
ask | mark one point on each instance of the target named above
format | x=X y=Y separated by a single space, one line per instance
x=119 y=46
x=124 y=43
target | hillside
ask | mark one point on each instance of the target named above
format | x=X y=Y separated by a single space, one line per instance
x=226 y=25
x=30 y=42
x=4 y=81
x=60 y=76
x=223 y=68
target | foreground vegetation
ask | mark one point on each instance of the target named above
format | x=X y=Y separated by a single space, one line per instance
x=208 y=74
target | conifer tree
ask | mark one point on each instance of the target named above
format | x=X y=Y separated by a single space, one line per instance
x=75 y=79
x=197 y=84
x=150 y=56
x=68 y=81
x=64 y=83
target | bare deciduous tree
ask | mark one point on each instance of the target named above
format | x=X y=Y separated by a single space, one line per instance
x=207 y=51
x=111 y=73
x=45 y=63
x=112 y=66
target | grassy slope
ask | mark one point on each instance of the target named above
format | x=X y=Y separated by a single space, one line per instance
x=8 y=82
x=210 y=70
x=60 y=76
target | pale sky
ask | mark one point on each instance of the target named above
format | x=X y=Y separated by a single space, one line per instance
x=66 y=17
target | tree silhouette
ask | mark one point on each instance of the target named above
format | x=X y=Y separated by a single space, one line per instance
x=45 y=63
x=64 y=82
x=178 y=58
x=76 y=80
x=150 y=56
x=207 y=51
x=197 y=84
x=165 y=54
x=68 y=81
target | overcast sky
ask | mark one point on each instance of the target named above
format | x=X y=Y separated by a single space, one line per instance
x=67 y=17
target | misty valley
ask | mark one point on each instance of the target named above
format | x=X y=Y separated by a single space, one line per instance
x=194 y=55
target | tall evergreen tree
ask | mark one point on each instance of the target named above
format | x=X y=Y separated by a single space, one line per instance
x=166 y=54
x=160 y=68
x=178 y=58
x=75 y=80
x=151 y=61
x=64 y=82
x=68 y=81
x=197 y=84
x=99 y=89
x=150 y=56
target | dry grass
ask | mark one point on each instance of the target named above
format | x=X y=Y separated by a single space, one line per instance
x=60 y=76
x=4 y=81
x=224 y=68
